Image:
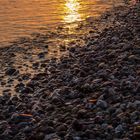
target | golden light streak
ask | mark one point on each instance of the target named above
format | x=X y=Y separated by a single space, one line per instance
x=72 y=11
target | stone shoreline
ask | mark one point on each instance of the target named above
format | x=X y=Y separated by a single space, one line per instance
x=91 y=92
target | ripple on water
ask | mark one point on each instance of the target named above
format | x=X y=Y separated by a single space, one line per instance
x=21 y=18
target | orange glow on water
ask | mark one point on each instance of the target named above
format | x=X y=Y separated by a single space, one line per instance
x=72 y=11
x=23 y=17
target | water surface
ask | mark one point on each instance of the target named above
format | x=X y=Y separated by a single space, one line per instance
x=22 y=17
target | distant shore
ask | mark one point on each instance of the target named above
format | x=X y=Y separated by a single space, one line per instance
x=78 y=85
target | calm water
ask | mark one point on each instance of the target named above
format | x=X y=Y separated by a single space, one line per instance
x=22 y=17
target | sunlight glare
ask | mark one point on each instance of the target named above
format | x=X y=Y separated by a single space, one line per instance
x=72 y=11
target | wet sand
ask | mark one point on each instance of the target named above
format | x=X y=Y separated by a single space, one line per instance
x=87 y=88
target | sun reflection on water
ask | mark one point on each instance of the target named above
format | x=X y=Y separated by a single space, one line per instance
x=72 y=11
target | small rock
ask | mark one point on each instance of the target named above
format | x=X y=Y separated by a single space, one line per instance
x=43 y=65
x=26 y=77
x=11 y=71
x=53 y=136
x=16 y=118
x=81 y=114
x=35 y=65
x=19 y=87
x=77 y=138
x=3 y=125
x=76 y=125
x=119 y=129
x=49 y=130
x=41 y=55
x=137 y=103
x=137 y=132
x=62 y=127
x=115 y=39
x=132 y=57
x=99 y=119
x=27 y=90
x=11 y=108
x=45 y=46
x=27 y=129
x=23 y=124
x=101 y=65
x=102 y=104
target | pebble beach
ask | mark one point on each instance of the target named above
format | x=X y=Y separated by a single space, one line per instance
x=87 y=89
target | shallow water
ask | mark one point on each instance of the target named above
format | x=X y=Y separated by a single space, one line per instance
x=23 y=17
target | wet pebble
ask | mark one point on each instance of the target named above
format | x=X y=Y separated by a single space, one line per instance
x=41 y=55
x=102 y=104
x=76 y=125
x=11 y=71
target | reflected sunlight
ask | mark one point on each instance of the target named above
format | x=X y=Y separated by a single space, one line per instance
x=72 y=11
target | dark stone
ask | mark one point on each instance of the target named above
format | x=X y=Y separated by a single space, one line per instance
x=119 y=130
x=41 y=55
x=38 y=136
x=52 y=136
x=62 y=127
x=102 y=104
x=89 y=134
x=27 y=90
x=19 y=87
x=76 y=125
x=72 y=49
x=46 y=46
x=3 y=126
x=50 y=107
x=35 y=65
x=11 y=108
x=49 y=129
x=17 y=118
x=82 y=114
x=26 y=77
x=61 y=133
x=11 y=71
x=55 y=100
x=137 y=132
x=43 y=65
x=27 y=129
x=23 y=124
